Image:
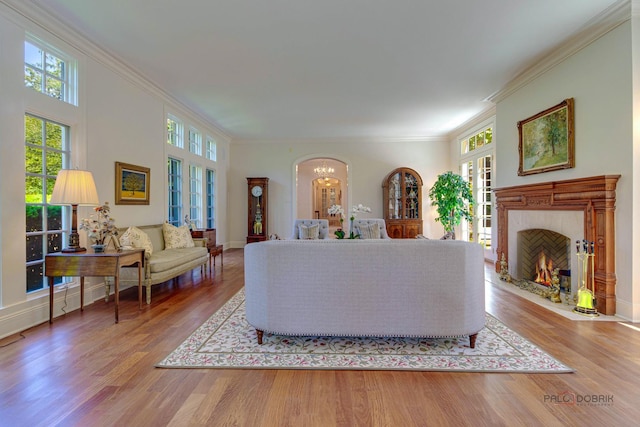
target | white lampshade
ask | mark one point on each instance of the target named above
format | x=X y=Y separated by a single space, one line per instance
x=74 y=187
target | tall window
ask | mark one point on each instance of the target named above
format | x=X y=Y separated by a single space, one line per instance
x=477 y=168
x=46 y=152
x=175 y=132
x=210 y=149
x=174 y=173
x=211 y=198
x=195 y=142
x=50 y=71
x=195 y=195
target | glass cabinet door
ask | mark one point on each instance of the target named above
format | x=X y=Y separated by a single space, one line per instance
x=402 y=195
x=395 y=196
x=412 y=203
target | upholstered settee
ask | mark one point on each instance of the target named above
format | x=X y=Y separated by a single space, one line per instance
x=362 y=227
x=323 y=228
x=383 y=287
x=161 y=263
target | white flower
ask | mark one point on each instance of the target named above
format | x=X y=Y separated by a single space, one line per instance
x=336 y=210
x=360 y=209
x=101 y=225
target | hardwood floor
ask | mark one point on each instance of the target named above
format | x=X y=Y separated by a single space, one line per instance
x=84 y=370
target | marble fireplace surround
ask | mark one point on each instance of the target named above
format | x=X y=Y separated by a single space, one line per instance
x=592 y=198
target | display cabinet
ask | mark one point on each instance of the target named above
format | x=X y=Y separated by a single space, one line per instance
x=402 y=198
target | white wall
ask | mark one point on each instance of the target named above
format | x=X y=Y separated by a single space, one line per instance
x=599 y=79
x=368 y=162
x=120 y=117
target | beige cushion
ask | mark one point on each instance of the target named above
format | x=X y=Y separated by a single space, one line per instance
x=369 y=231
x=309 y=232
x=174 y=258
x=176 y=237
x=136 y=238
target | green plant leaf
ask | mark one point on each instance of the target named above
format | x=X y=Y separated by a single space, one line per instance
x=450 y=195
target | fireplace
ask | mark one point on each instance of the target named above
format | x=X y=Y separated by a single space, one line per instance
x=578 y=209
x=540 y=252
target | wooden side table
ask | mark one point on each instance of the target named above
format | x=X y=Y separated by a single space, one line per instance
x=92 y=264
x=213 y=248
x=214 y=252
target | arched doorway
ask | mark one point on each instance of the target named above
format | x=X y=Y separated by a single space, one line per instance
x=320 y=183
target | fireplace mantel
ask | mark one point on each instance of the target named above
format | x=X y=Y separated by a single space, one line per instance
x=596 y=197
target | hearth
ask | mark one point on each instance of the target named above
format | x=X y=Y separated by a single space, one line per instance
x=591 y=199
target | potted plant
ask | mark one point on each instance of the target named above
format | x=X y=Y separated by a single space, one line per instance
x=100 y=227
x=451 y=195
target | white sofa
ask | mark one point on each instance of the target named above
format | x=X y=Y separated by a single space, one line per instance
x=384 y=287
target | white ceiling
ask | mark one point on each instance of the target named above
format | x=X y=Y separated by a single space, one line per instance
x=330 y=69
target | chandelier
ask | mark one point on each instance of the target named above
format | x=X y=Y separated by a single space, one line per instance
x=323 y=171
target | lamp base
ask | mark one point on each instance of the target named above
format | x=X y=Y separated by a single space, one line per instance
x=74 y=239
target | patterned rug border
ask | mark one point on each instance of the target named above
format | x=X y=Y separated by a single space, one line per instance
x=526 y=358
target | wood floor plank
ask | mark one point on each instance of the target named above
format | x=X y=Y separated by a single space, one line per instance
x=86 y=370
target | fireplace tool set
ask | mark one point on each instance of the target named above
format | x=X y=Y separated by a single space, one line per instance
x=586 y=304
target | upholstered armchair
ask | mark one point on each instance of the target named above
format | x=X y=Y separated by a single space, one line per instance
x=323 y=227
x=357 y=223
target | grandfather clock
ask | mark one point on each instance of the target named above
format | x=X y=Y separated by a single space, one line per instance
x=257 y=209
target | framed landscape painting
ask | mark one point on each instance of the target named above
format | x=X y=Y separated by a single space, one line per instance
x=132 y=184
x=546 y=140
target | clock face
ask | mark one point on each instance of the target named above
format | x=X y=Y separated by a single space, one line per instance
x=256 y=191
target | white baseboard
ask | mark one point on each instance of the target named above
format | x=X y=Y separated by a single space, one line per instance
x=35 y=310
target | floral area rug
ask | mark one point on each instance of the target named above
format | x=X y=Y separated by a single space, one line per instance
x=226 y=340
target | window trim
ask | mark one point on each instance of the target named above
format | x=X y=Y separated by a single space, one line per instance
x=70 y=93
x=65 y=152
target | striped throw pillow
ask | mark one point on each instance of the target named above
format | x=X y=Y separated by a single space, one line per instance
x=369 y=231
x=309 y=232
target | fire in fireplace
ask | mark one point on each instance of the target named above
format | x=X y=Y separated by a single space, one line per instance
x=541 y=251
x=544 y=270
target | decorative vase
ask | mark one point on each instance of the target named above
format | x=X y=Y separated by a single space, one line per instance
x=98 y=248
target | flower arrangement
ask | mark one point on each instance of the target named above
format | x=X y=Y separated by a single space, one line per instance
x=355 y=210
x=99 y=226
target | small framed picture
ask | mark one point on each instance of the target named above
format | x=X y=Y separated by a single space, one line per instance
x=546 y=141
x=132 y=184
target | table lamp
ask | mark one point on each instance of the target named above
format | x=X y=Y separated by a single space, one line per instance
x=74 y=187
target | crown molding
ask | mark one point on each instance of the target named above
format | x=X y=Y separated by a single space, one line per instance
x=615 y=15
x=476 y=120
x=47 y=19
x=342 y=140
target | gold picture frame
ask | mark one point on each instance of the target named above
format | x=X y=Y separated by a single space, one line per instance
x=132 y=184
x=546 y=140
